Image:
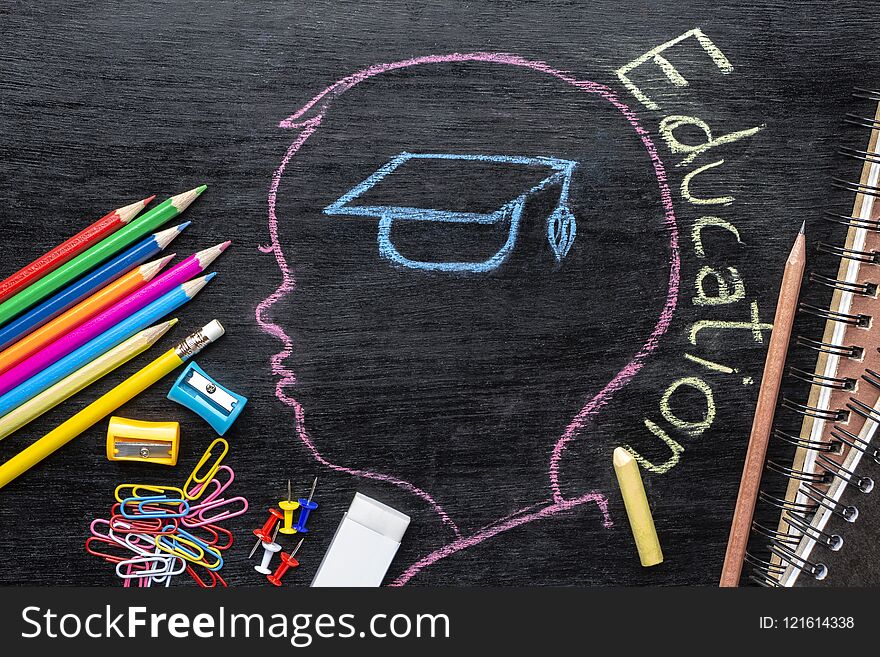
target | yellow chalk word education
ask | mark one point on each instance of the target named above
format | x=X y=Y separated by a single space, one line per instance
x=637 y=510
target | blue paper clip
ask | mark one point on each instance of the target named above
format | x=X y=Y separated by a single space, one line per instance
x=157 y=499
x=182 y=544
x=201 y=394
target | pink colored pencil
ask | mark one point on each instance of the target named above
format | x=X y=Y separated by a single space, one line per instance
x=50 y=354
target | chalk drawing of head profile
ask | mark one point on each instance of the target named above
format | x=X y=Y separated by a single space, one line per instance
x=476 y=251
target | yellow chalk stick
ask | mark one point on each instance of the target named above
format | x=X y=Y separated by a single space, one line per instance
x=637 y=509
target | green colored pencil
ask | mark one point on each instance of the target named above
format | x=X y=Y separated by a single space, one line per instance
x=94 y=256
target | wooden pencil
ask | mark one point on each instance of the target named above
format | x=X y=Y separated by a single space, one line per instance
x=82 y=378
x=774 y=365
x=53 y=259
x=81 y=313
x=95 y=255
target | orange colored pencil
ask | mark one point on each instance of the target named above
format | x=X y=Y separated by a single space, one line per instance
x=51 y=260
x=81 y=313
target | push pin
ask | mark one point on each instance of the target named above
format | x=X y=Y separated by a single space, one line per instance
x=288 y=507
x=263 y=533
x=306 y=506
x=268 y=550
x=287 y=562
x=201 y=394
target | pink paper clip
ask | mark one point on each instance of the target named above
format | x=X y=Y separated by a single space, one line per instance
x=198 y=514
x=219 y=487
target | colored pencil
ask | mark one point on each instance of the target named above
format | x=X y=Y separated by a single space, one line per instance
x=774 y=365
x=119 y=333
x=112 y=400
x=53 y=259
x=85 y=286
x=82 y=378
x=94 y=256
x=81 y=313
x=101 y=322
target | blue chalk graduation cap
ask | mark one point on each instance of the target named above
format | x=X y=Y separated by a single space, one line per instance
x=561 y=224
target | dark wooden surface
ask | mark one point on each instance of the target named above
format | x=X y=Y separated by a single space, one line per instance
x=458 y=384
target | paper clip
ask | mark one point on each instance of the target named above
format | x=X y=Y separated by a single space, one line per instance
x=141 y=526
x=145 y=490
x=186 y=546
x=215 y=578
x=153 y=508
x=111 y=558
x=219 y=487
x=197 y=517
x=215 y=532
x=156 y=571
x=138 y=543
x=197 y=477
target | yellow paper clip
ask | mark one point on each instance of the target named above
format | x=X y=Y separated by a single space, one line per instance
x=136 y=440
x=198 y=481
x=146 y=490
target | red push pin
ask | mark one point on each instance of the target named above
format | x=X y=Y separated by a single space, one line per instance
x=287 y=562
x=264 y=533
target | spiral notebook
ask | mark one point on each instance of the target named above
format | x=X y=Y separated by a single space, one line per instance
x=829 y=474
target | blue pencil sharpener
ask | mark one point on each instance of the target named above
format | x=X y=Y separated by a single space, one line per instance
x=204 y=396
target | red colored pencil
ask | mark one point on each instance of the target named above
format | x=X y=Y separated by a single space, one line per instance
x=103 y=227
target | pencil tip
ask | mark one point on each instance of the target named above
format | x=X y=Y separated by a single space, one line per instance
x=149 y=270
x=130 y=211
x=207 y=256
x=183 y=201
x=165 y=237
x=194 y=286
x=803 y=227
x=154 y=333
x=147 y=200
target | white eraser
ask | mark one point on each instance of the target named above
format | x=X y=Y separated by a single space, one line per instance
x=213 y=330
x=363 y=546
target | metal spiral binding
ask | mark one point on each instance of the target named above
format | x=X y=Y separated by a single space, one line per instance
x=811 y=498
x=851 y=351
x=853 y=441
x=830 y=446
x=850 y=221
x=800 y=522
x=870 y=257
x=785 y=553
x=865 y=289
x=848 y=513
x=832 y=415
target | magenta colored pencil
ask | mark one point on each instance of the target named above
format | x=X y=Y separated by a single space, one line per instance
x=49 y=354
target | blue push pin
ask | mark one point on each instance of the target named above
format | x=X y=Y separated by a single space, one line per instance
x=306 y=506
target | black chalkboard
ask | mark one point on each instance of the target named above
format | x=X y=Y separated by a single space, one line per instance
x=483 y=399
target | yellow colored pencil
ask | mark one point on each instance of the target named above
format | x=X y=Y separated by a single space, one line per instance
x=637 y=509
x=82 y=378
x=105 y=405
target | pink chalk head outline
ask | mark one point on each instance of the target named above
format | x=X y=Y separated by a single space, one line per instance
x=307 y=120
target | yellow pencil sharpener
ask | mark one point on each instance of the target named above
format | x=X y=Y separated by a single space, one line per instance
x=137 y=440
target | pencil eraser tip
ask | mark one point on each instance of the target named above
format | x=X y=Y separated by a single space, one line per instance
x=213 y=330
